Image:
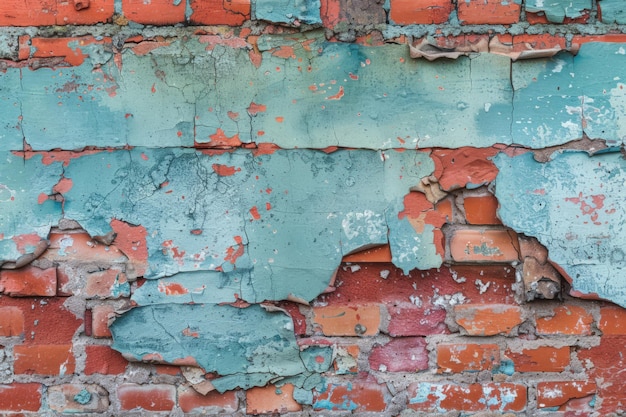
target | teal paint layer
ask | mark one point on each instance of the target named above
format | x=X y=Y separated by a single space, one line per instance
x=574 y=206
x=11 y=137
x=557 y=10
x=245 y=347
x=613 y=11
x=288 y=11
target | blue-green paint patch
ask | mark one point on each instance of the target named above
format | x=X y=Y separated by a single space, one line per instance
x=557 y=10
x=317 y=358
x=288 y=11
x=120 y=289
x=507 y=367
x=613 y=11
x=83 y=397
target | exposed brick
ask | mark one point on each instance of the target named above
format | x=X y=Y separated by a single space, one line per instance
x=110 y=283
x=427 y=396
x=346 y=359
x=566 y=320
x=75 y=12
x=361 y=320
x=299 y=320
x=71 y=50
x=541 y=359
x=376 y=254
x=190 y=401
x=155 y=12
x=356 y=396
x=220 y=12
x=407 y=319
x=612 y=320
x=78 y=398
x=456 y=168
x=481 y=209
x=44 y=359
x=400 y=355
x=488 y=320
x=557 y=393
x=167 y=369
x=28 y=12
x=419 y=12
x=11 y=321
x=20 y=397
x=65 y=247
x=483 y=245
x=152 y=397
x=100 y=320
x=131 y=240
x=467 y=357
x=492 y=12
x=29 y=281
x=104 y=360
x=271 y=399
x=540 y=280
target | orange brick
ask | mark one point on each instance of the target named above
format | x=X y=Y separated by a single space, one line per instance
x=84 y=12
x=427 y=396
x=376 y=254
x=488 y=320
x=492 y=12
x=154 y=12
x=356 y=396
x=557 y=393
x=66 y=247
x=541 y=359
x=100 y=315
x=612 y=320
x=190 y=401
x=481 y=210
x=362 y=320
x=70 y=49
x=484 y=245
x=220 y=12
x=11 y=321
x=44 y=359
x=566 y=320
x=152 y=397
x=28 y=12
x=467 y=357
x=420 y=12
x=29 y=281
x=20 y=397
x=110 y=283
x=271 y=399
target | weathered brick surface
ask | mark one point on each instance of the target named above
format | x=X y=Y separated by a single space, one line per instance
x=540 y=359
x=488 y=320
x=408 y=354
x=17 y=397
x=29 y=282
x=271 y=399
x=154 y=397
x=44 y=359
x=467 y=357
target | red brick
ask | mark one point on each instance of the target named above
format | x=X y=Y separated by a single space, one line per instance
x=271 y=399
x=62 y=398
x=420 y=12
x=43 y=359
x=152 y=397
x=483 y=245
x=357 y=396
x=71 y=50
x=220 y=12
x=492 y=12
x=408 y=319
x=20 y=397
x=131 y=240
x=167 y=369
x=11 y=321
x=28 y=12
x=362 y=320
x=558 y=393
x=299 y=320
x=426 y=396
x=29 y=281
x=65 y=247
x=612 y=320
x=154 y=12
x=100 y=320
x=190 y=401
x=481 y=209
x=467 y=357
x=566 y=320
x=488 y=320
x=456 y=168
x=71 y=13
x=104 y=360
x=541 y=359
x=407 y=354
x=110 y=283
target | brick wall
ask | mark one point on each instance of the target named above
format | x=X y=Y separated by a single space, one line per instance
x=494 y=321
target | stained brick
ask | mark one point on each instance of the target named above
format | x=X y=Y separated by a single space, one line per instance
x=271 y=399
x=566 y=320
x=540 y=359
x=218 y=12
x=20 y=397
x=481 y=209
x=346 y=359
x=407 y=354
x=612 y=320
x=104 y=360
x=11 y=321
x=427 y=396
x=557 y=393
x=152 y=397
x=78 y=398
x=488 y=320
x=467 y=357
x=29 y=281
x=362 y=320
x=419 y=12
x=356 y=396
x=44 y=359
x=155 y=12
x=492 y=12
x=190 y=401
x=483 y=245
x=100 y=315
